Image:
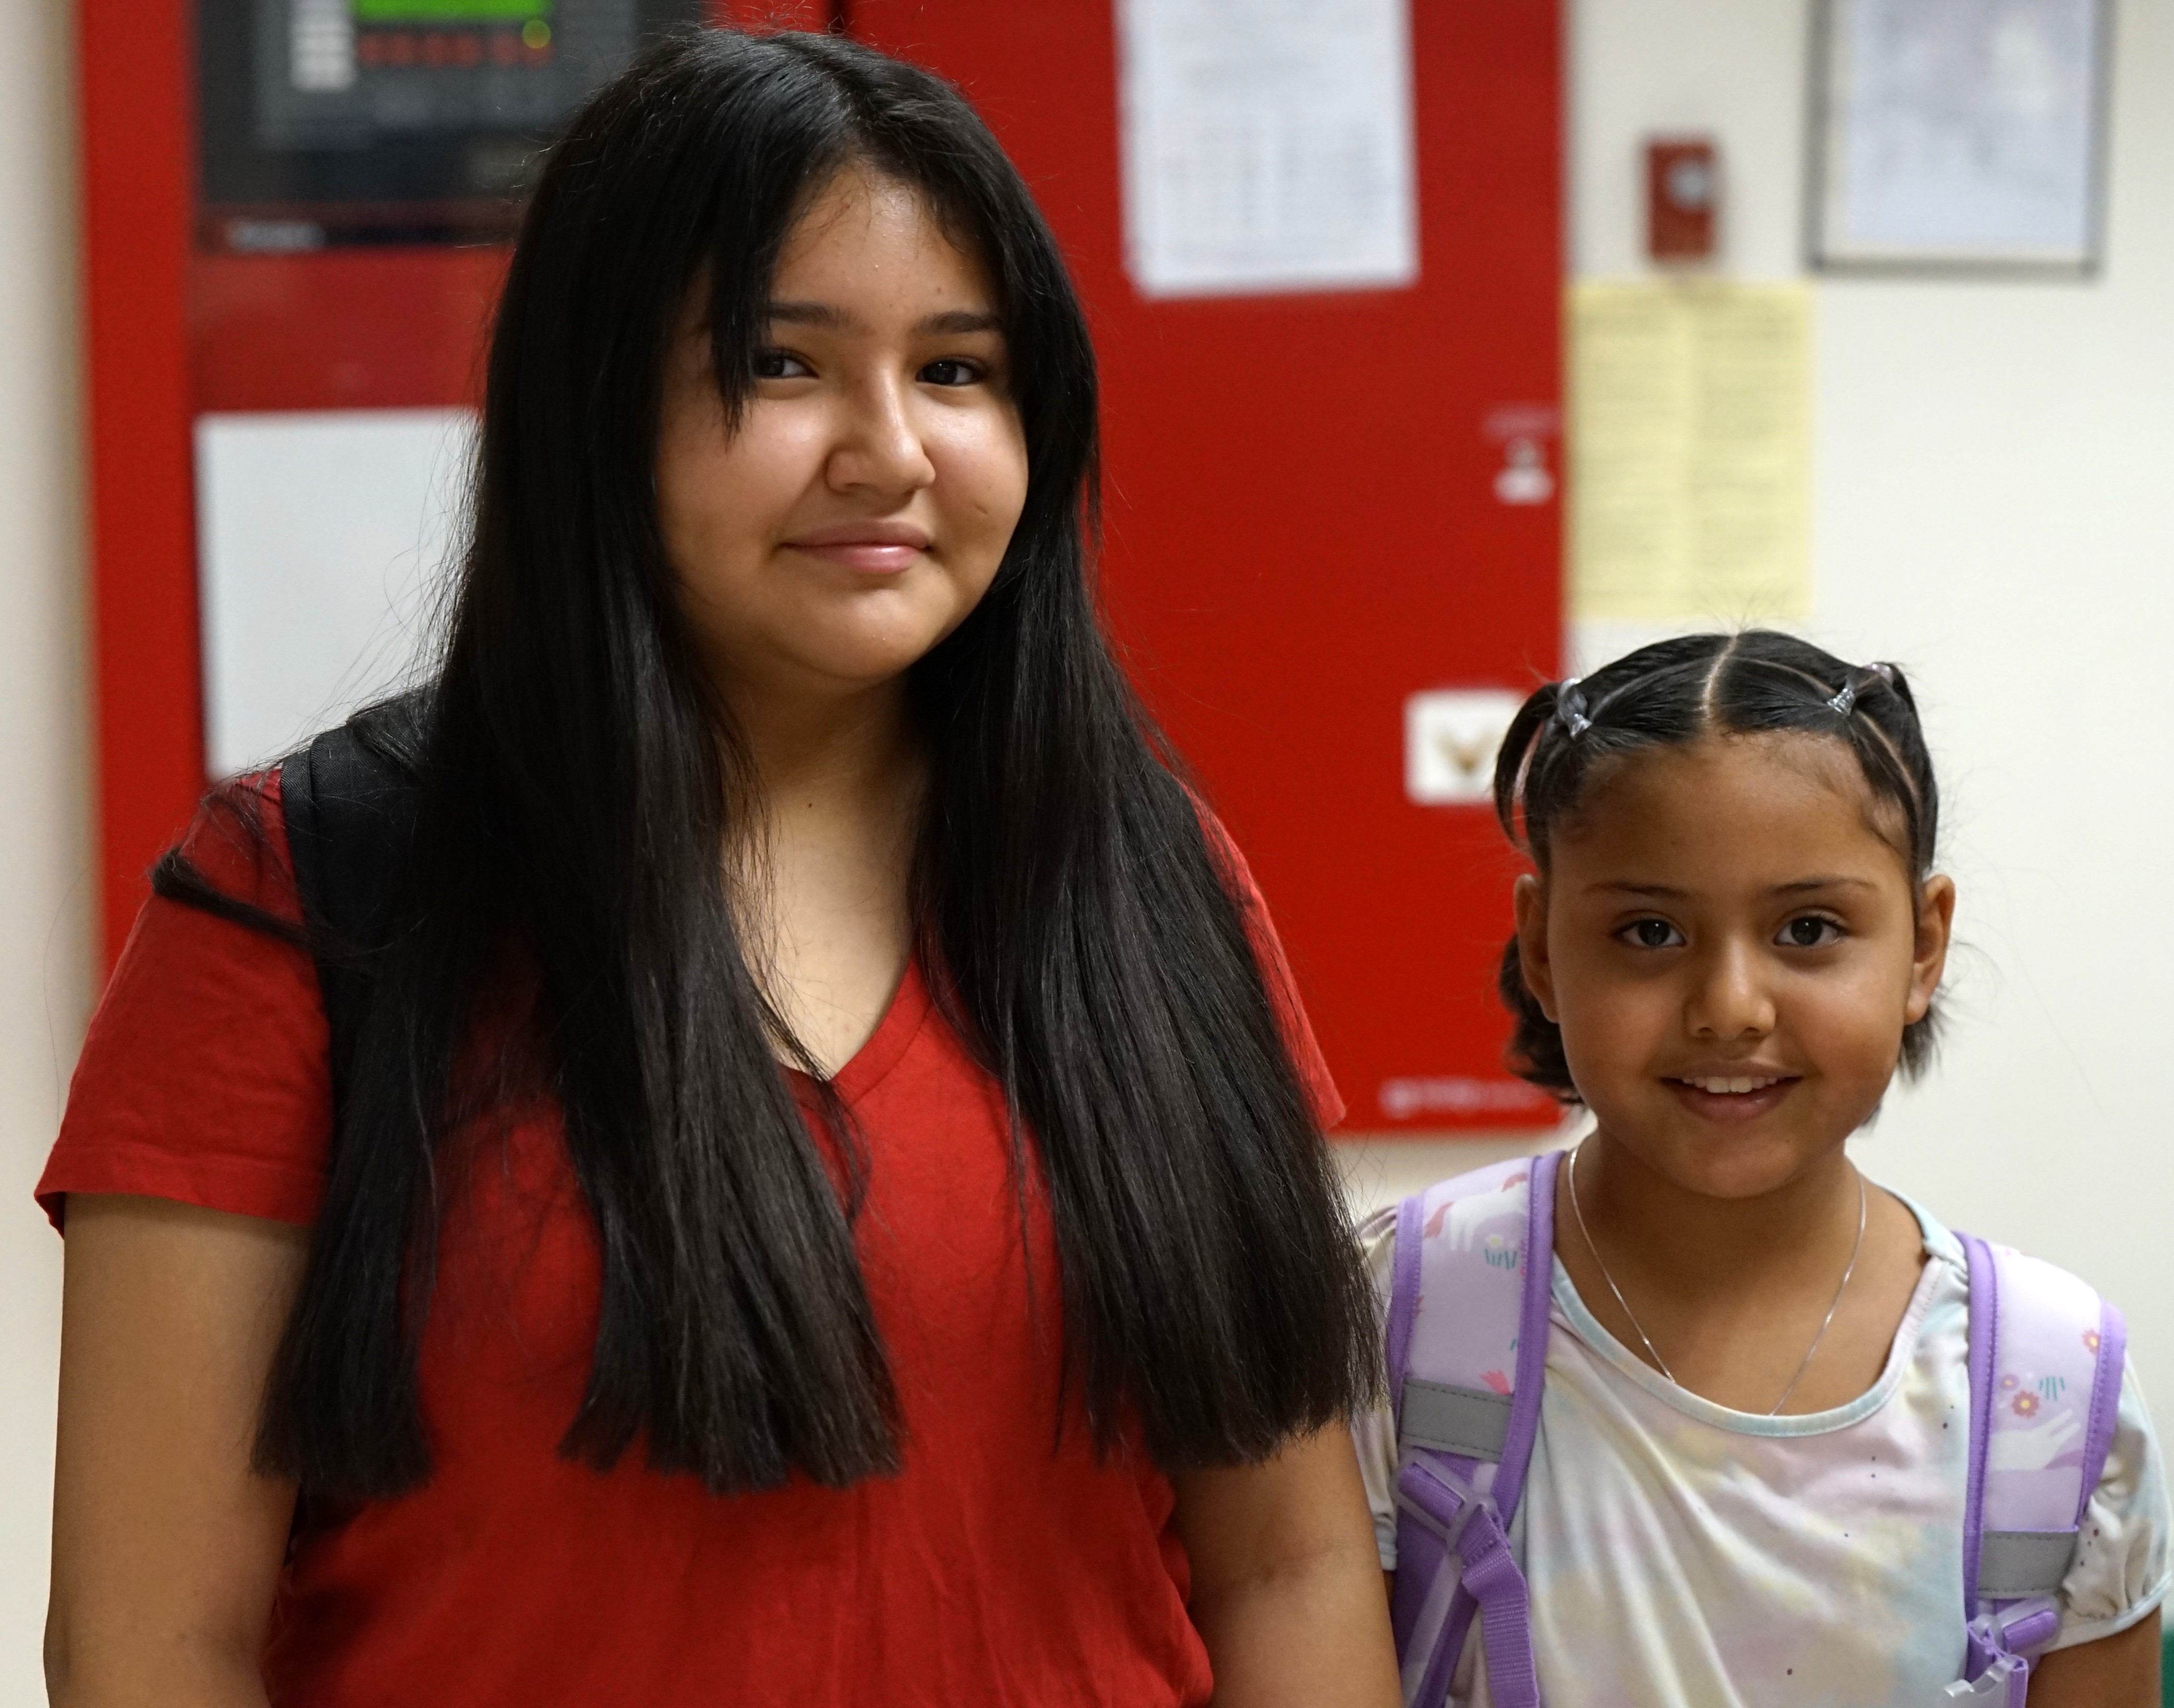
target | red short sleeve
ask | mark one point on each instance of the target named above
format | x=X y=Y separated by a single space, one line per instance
x=205 y=1076
x=1313 y=1075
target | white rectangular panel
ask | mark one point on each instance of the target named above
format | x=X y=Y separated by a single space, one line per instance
x=1268 y=145
x=1961 y=131
x=321 y=540
x=1452 y=736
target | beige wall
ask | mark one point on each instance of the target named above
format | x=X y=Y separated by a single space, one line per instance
x=1996 y=509
x=44 y=881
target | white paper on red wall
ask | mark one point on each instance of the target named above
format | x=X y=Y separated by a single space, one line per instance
x=1267 y=145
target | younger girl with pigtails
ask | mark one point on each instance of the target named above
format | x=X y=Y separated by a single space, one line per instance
x=1696 y=1413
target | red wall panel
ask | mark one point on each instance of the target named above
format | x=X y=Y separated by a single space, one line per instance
x=342 y=328
x=133 y=59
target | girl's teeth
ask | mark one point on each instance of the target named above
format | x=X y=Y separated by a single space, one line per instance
x=1732 y=1088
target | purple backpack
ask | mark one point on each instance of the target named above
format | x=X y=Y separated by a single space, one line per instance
x=1465 y=1380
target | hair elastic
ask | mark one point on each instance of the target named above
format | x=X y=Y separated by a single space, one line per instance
x=1569 y=708
x=1844 y=701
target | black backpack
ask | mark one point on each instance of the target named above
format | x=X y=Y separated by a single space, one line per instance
x=348 y=801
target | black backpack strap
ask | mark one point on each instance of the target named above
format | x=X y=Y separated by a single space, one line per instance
x=348 y=801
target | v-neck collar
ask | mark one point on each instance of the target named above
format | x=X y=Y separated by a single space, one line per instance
x=894 y=1033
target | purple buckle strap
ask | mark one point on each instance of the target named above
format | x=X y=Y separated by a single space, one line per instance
x=1426 y=1492
x=1455 y=1520
x=1492 y=1579
x=2001 y=1674
x=2045 y=1356
x=2005 y=1680
x=2025 y=1625
x=1499 y=1596
x=1438 y=1488
x=1446 y=1512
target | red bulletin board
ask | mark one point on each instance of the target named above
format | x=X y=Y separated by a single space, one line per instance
x=1303 y=524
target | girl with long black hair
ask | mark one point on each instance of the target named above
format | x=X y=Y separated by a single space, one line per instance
x=810 y=1190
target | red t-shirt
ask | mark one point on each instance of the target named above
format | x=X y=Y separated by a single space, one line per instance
x=995 y=1568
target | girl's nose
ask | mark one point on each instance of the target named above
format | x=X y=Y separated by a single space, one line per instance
x=1728 y=998
x=880 y=447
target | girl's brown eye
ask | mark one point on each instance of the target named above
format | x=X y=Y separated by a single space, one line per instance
x=951 y=370
x=1652 y=933
x=1809 y=931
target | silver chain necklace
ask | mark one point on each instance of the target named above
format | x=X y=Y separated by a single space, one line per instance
x=1653 y=1351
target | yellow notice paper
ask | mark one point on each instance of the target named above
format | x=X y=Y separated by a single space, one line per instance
x=1690 y=445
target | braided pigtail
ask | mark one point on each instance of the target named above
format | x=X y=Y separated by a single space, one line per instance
x=1547 y=738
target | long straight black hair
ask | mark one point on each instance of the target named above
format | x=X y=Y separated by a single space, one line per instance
x=575 y=782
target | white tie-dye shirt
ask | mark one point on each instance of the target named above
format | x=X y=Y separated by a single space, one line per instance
x=1682 y=1553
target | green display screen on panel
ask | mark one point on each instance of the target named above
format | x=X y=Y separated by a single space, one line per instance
x=399 y=121
x=450 y=11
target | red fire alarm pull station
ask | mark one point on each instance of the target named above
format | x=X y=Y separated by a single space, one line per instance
x=1683 y=198
x=1333 y=525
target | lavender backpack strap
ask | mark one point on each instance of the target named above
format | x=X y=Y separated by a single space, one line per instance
x=2046 y=1356
x=1467 y=1356
x=1403 y=1298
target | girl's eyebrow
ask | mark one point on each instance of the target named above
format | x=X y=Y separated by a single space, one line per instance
x=1795 y=886
x=811 y=314
x=961 y=320
x=951 y=321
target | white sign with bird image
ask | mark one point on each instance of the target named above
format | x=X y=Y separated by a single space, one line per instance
x=1450 y=736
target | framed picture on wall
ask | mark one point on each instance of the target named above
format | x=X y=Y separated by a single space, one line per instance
x=1959 y=135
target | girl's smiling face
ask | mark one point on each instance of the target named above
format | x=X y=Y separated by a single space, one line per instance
x=1731 y=946
x=861 y=504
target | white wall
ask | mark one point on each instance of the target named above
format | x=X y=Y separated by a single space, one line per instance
x=1994 y=510
x=45 y=887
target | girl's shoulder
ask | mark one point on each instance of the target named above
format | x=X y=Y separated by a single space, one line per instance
x=205 y=1073
x=1942 y=1244
x=234 y=851
x=1476 y=1213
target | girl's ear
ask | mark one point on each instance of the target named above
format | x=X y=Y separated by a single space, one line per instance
x=1530 y=900
x=1928 y=954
